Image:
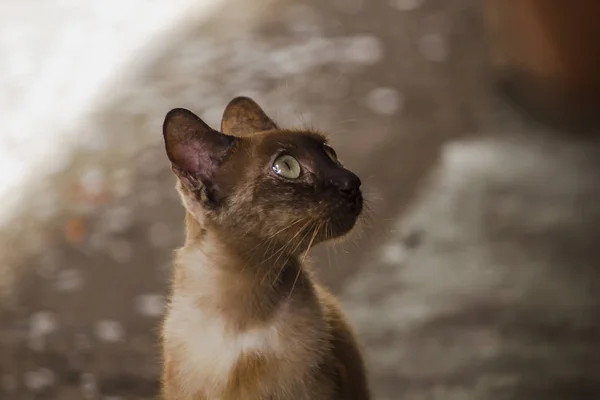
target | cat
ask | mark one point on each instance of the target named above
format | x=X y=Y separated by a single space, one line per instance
x=246 y=318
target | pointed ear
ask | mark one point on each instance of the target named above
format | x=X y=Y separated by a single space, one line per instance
x=243 y=117
x=195 y=149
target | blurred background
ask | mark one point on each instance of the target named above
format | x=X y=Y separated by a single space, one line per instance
x=470 y=122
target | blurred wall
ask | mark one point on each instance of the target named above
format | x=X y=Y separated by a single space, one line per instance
x=475 y=279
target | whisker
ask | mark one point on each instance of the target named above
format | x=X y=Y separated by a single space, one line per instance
x=371 y=196
x=263 y=242
x=282 y=251
x=327 y=244
x=283 y=265
x=336 y=257
x=304 y=258
x=270 y=241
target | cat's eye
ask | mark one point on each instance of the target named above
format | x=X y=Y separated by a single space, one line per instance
x=331 y=153
x=287 y=166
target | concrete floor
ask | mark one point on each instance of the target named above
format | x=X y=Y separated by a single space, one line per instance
x=476 y=279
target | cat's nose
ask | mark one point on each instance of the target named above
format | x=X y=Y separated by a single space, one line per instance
x=348 y=184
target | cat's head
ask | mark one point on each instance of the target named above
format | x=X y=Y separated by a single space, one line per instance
x=259 y=184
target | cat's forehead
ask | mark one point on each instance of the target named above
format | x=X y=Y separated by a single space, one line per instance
x=291 y=140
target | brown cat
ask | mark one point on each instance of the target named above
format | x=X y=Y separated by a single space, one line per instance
x=246 y=319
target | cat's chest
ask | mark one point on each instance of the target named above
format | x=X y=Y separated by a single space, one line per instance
x=206 y=352
x=210 y=345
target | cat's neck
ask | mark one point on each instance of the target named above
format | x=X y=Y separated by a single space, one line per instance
x=247 y=290
x=259 y=256
x=194 y=231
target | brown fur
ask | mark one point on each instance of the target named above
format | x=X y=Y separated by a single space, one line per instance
x=246 y=318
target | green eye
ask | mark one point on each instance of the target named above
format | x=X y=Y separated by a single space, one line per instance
x=287 y=166
x=331 y=153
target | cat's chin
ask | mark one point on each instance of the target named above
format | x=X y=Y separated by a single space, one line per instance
x=343 y=219
x=341 y=229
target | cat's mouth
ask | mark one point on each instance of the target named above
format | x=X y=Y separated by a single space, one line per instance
x=344 y=214
x=351 y=207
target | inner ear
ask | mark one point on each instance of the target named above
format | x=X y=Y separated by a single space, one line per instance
x=243 y=117
x=195 y=150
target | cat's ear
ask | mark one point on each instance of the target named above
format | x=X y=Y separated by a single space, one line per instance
x=243 y=117
x=195 y=149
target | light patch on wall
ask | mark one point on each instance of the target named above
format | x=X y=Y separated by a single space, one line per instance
x=50 y=80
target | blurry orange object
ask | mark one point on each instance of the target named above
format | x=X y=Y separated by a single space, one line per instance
x=75 y=230
x=548 y=50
